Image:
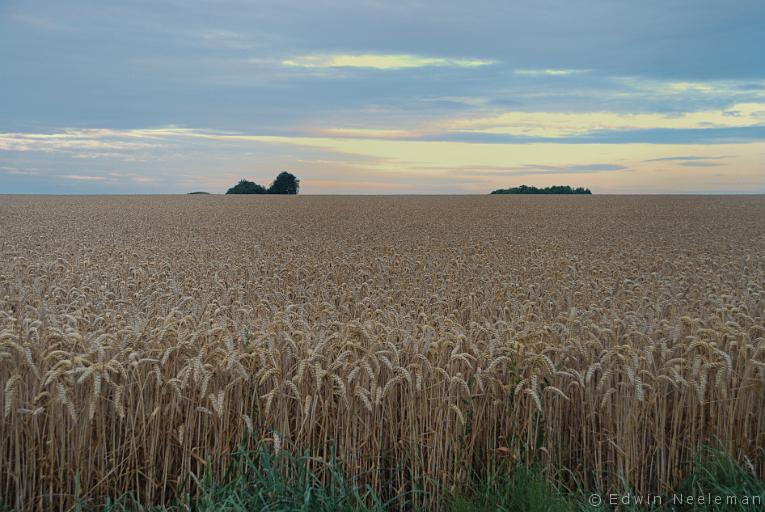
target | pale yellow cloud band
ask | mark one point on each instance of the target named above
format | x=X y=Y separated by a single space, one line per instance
x=567 y=124
x=380 y=61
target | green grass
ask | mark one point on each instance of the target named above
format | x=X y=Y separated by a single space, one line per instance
x=257 y=480
x=717 y=474
x=522 y=489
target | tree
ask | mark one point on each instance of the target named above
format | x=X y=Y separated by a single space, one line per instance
x=285 y=183
x=555 y=189
x=247 y=187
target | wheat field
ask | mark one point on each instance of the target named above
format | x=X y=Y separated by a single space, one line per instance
x=415 y=339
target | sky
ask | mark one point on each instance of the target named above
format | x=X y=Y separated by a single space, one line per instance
x=382 y=97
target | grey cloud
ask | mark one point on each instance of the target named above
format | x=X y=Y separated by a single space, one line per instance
x=688 y=158
x=531 y=169
x=697 y=163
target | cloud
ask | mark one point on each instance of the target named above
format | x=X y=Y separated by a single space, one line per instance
x=580 y=167
x=694 y=163
x=570 y=124
x=19 y=172
x=82 y=177
x=548 y=72
x=366 y=133
x=71 y=140
x=686 y=92
x=529 y=169
x=226 y=39
x=469 y=101
x=380 y=61
x=749 y=87
x=687 y=158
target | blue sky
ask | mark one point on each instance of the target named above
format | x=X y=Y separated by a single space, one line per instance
x=169 y=96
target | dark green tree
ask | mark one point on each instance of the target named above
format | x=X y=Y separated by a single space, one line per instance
x=247 y=187
x=285 y=183
x=555 y=189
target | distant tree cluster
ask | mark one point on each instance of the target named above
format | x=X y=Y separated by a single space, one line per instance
x=285 y=183
x=247 y=187
x=555 y=189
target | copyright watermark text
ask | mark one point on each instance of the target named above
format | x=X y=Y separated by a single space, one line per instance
x=611 y=499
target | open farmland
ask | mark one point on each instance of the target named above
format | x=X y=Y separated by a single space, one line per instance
x=416 y=338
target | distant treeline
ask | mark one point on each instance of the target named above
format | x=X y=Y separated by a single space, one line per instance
x=285 y=183
x=555 y=189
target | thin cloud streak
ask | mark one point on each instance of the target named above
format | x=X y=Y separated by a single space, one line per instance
x=81 y=177
x=695 y=163
x=548 y=72
x=688 y=158
x=381 y=61
x=529 y=170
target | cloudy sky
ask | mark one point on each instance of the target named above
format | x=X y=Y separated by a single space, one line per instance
x=373 y=96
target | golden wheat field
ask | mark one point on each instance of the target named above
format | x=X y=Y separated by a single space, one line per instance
x=416 y=338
